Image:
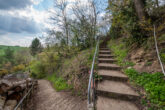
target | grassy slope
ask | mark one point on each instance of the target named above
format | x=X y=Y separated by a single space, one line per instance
x=73 y=74
x=153 y=84
x=15 y=48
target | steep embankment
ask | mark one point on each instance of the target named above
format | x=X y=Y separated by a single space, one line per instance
x=48 y=99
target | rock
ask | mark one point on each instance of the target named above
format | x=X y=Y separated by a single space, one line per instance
x=129 y=68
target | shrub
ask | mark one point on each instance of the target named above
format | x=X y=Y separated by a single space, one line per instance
x=37 y=69
x=3 y=72
x=18 y=68
x=59 y=83
x=46 y=63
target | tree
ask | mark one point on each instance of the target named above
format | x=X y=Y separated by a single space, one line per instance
x=157 y=3
x=77 y=25
x=22 y=56
x=9 y=54
x=60 y=17
x=35 y=46
x=86 y=20
x=140 y=10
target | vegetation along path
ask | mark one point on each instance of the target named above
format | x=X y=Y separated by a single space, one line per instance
x=48 y=99
x=113 y=91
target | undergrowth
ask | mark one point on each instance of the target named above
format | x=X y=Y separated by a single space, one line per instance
x=73 y=73
x=162 y=55
x=59 y=83
x=153 y=84
x=120 y=51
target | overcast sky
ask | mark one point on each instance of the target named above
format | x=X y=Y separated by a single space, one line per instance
x=23 y=20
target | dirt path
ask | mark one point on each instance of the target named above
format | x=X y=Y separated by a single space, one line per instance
x=48 y=99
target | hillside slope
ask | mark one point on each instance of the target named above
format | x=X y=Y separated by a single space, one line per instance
x=141 y=65
x=15 y=48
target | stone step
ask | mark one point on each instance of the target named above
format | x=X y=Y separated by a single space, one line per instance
x=108 y=66
x=104 y=103
x=112 y=75
x=104 y=52
x=105 y=56
x=104 y=48
x=162 y=44
x=106 y=60
x=116 y=89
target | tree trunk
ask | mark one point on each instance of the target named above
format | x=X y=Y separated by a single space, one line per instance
x=157 y=3
x=139 y=6
x=6 y=85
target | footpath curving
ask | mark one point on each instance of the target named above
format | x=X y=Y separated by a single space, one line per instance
x=48 y=99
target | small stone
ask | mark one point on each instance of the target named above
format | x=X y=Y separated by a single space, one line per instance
x=129 y=67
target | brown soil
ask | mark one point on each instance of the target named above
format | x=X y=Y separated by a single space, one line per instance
x=145 y=61
x=47 y=98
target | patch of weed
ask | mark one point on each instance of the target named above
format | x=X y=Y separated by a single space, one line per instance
x=148 y=63
x=161 y=38
x=58 y=83
x=98 y=77
x=127 y=63
x=162 y=55
x=119 y=51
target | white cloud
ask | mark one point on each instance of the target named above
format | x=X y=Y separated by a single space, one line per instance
x=42 y=18
x=30 y=14
x=36 y=2
x=13 y=41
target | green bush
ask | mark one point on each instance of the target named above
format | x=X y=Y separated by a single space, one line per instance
x=45 y=63
x=3 y=72
x=37 y=69
x=17 y=68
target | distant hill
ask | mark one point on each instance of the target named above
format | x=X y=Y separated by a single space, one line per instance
x=15 y=48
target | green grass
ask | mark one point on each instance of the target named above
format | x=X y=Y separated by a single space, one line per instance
x=59 y=83
x=120 y=51
x=162 y=56
x=148 y=63
x=161 y=38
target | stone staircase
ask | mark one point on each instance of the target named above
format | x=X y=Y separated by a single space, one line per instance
x=113 y=92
